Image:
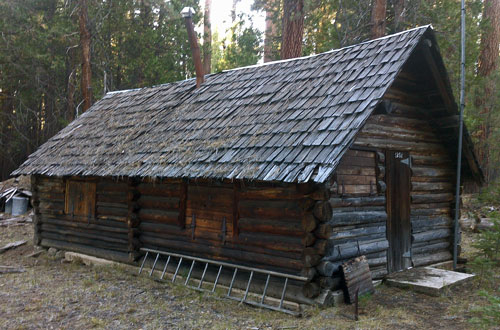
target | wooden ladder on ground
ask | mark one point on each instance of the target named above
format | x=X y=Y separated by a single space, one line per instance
x=176 y=258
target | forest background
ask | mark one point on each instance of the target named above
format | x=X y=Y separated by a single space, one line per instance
x=57 y=57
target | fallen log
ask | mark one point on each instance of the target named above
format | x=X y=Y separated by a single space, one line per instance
x=11 y=246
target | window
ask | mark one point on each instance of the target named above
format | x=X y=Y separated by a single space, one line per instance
x=80 y=198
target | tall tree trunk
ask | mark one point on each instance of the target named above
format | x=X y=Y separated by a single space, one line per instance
x=207 y=38
x=488 y=64
x=293 y=29
x=233 y=11
x=85 y=46
x=378 y=18
x=271 y=31
x=399 y=14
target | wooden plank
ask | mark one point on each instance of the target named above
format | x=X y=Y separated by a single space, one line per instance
x=357 y=278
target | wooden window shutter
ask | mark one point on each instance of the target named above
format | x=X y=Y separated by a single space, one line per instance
x=80 y=198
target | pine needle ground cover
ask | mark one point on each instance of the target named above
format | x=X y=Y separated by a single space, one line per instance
x=55 y=294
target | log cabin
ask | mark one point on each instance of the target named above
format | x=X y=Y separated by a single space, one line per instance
x=295 y=166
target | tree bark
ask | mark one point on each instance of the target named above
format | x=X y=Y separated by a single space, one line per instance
x=378 y=18
x=399 y=14
x=488 y=64
x=270 y=33
x=293 y=29
x=207 y=38
x=85 y=46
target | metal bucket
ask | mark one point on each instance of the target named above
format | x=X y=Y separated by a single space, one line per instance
x=19 y=205
x=8 y=207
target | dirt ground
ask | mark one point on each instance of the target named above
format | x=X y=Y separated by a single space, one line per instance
x=56 y=295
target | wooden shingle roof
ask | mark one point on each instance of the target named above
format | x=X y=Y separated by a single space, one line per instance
x=285 y=121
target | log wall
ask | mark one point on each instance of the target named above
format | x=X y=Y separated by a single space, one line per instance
x=105 y=233
x=263 y=226
x=358 y=221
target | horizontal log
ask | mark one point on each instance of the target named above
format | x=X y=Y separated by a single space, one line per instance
x=111 y=198
x=355 y=248
x=223 y=253
x=358 y=209
x=355 y=189
x=421 y=223
x=90 y=250
x=270 y=193
x=97 y=226
x=432 y=172
x=85 y=241
x=356 y=232
x=431 y=198
x=161 y=228
x=159 y=202
x=231 y=243
x=86 y=233
x=431 y=205
x=431 y=212
x=50 y=196
x=429 y=248
x=113 y=211
x=356 y=218
x=112 y=205
x=355 y=170
x=428 y=259
x=395 y=134
x=431 y=235
x=155 y=215
x=270 y=209
x=431 y=160
x=348 y=161
x=382 y=143
x=215 y=214
x=52 y=205
x=112 y=186
x=357 y=201
x=352 y=179
x=379 y=272
x=57 y=188
x=86 y=220
x=159 y=189
x=432 y=186
x=272 y=242
x=291 y=227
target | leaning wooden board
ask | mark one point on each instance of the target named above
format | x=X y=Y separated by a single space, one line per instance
x=357 y=276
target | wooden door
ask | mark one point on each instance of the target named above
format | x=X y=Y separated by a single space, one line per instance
x=398 y=210
x=209 y=212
